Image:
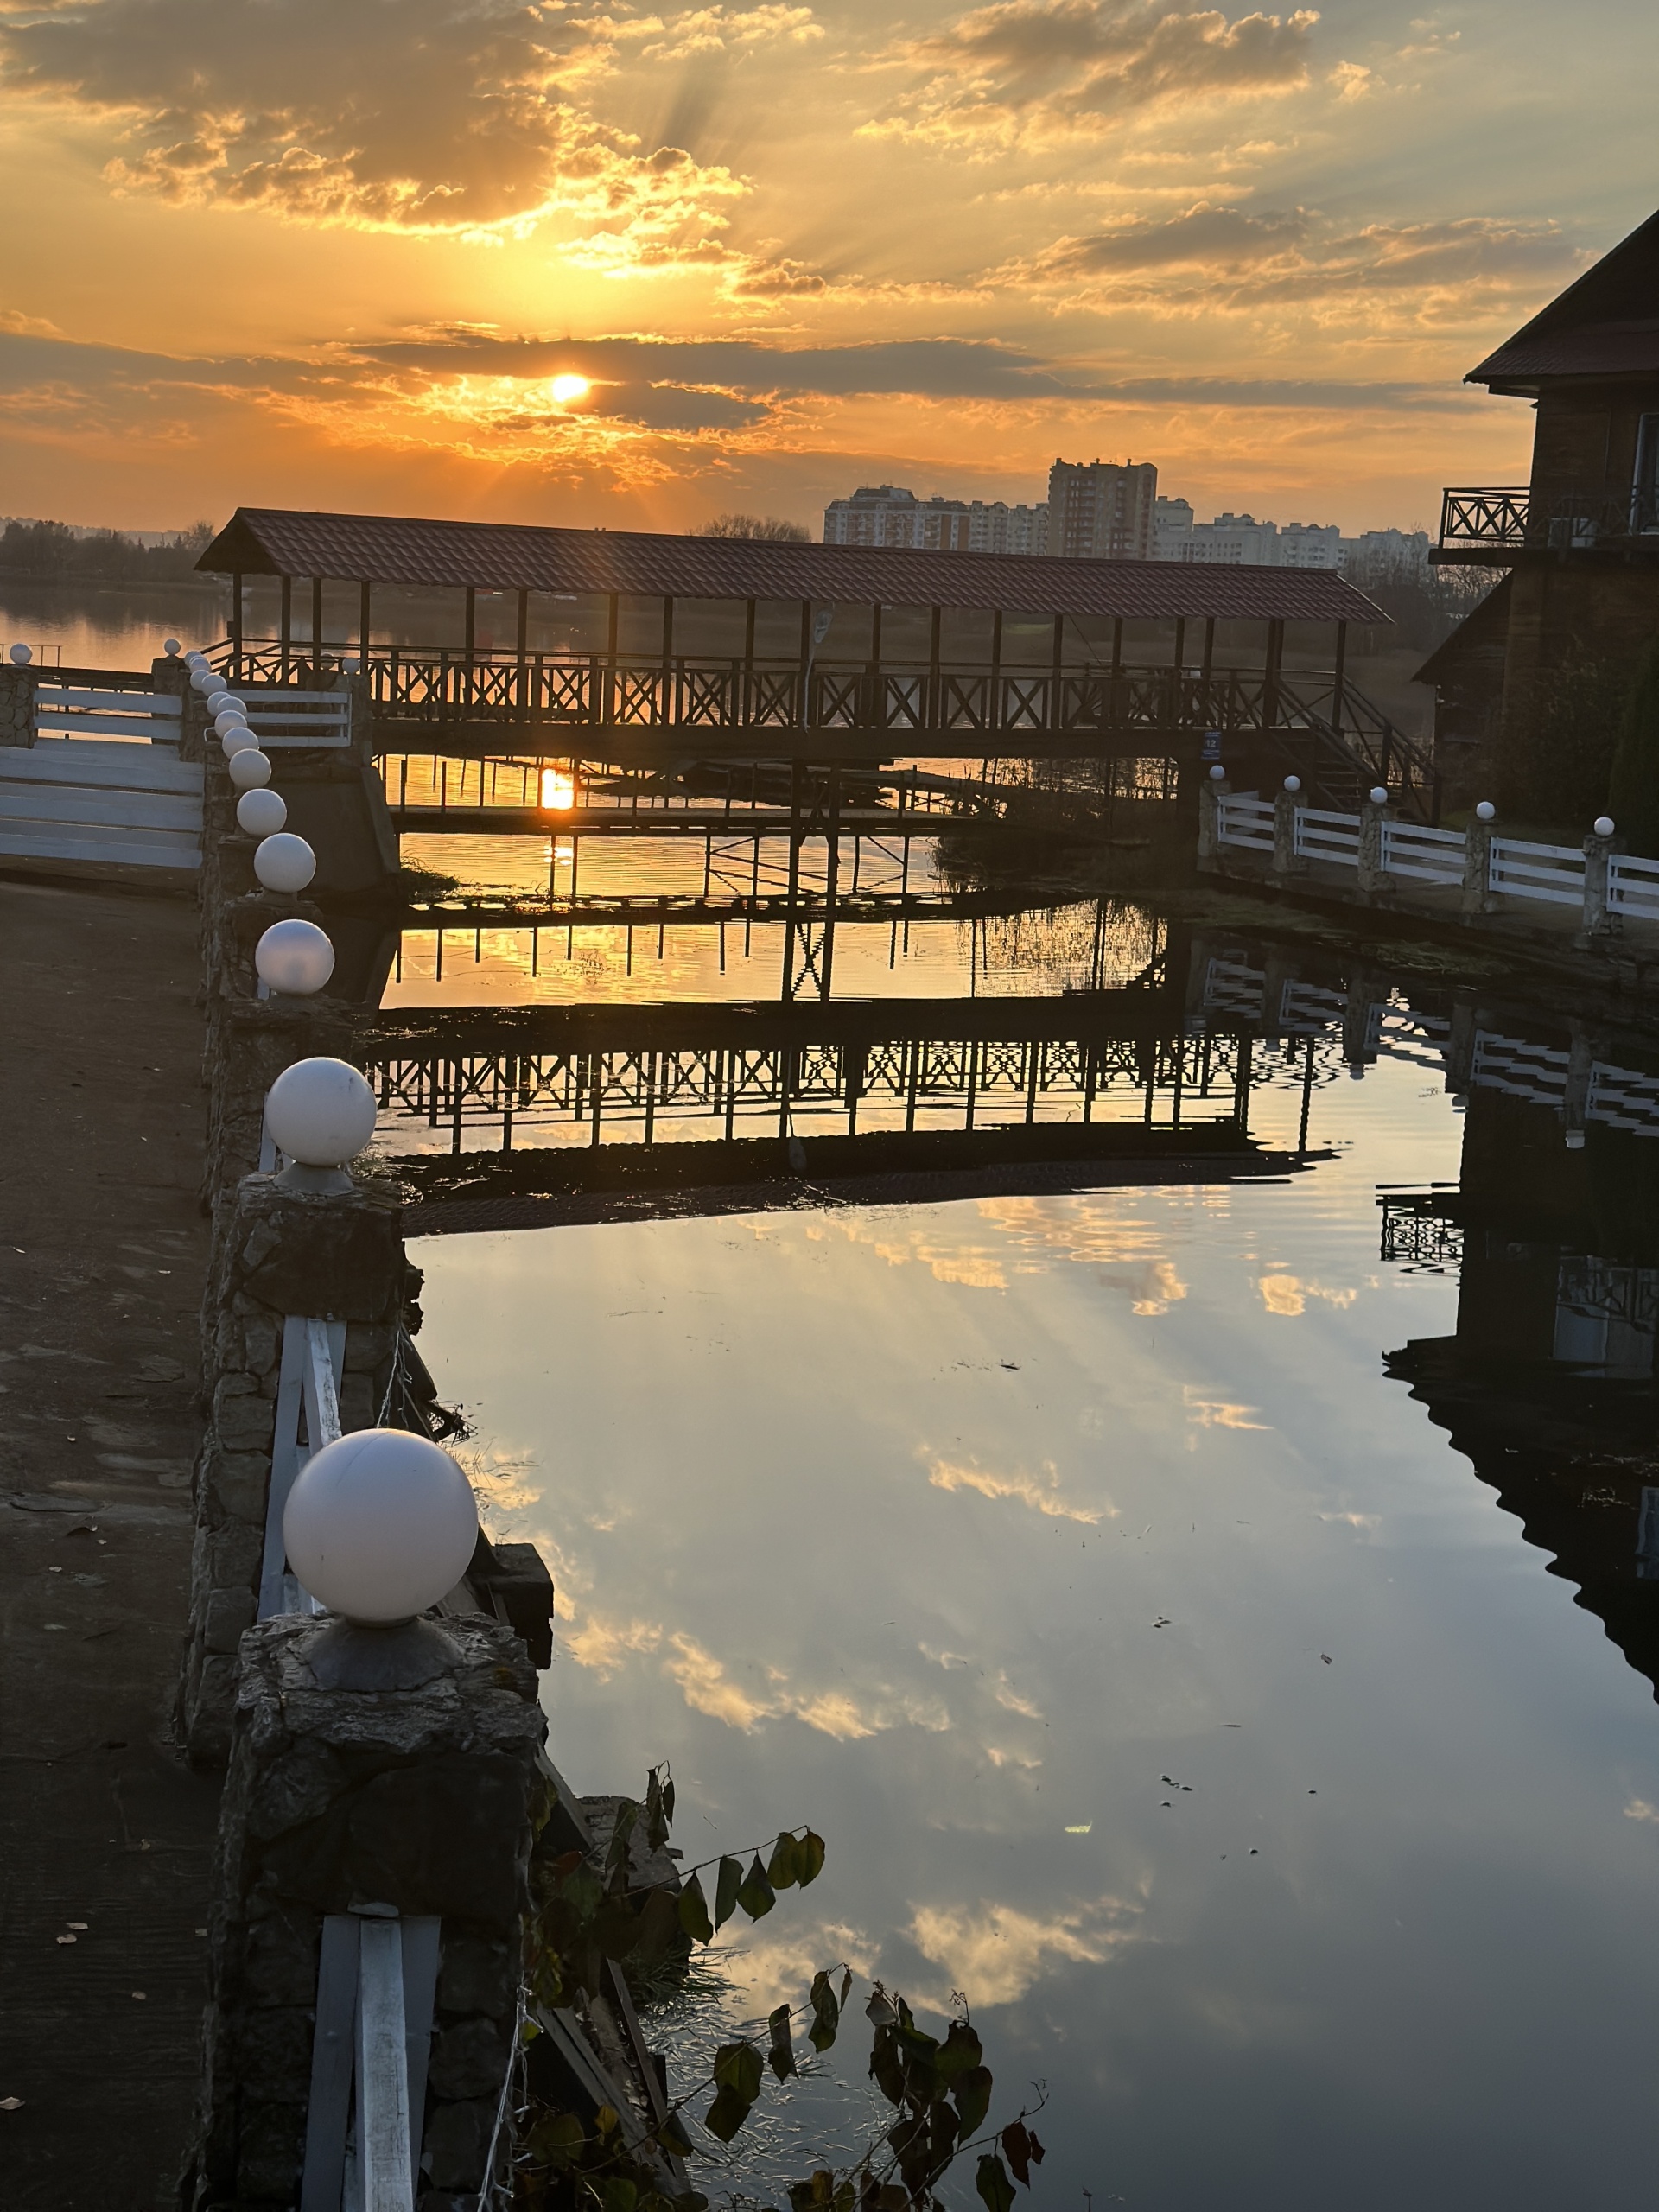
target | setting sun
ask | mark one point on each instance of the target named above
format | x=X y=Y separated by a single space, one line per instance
x=567 y=389
x=558 y=788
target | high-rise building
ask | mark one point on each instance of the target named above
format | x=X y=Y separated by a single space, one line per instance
x=1171 y=526
x=1309 y=545
x=887 y=514
x=1102 y=510
x=1384 y=557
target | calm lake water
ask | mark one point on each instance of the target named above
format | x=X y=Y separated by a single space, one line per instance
x=1211 y=1622
x=1160 y=1675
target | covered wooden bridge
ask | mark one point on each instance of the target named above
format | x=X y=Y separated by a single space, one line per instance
x=640 y=648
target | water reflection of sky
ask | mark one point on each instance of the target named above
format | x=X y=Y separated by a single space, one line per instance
x=1043 y=949
x=869 y=1517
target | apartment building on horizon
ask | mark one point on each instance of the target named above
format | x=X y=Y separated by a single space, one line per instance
x=1102 y=510
x=887 y=514
x=1240 y=541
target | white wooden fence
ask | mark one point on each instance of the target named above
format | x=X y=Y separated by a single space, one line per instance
x=76 y=710
x=278 y=716
x=1592 y=879
x=377 y=1981
x=91 y=799
x=308 y=1417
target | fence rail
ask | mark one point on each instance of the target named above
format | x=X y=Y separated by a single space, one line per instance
x=1603 y=888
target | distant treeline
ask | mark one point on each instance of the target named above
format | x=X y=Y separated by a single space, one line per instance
x=55 y=554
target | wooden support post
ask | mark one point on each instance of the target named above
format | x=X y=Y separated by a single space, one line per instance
x=1117 y=646
x=1055 y=715
x=804 y=712
x=876 y=709
x=1180 y=642
x=1209 y=647
x=471 y=623
x=668 y=701
x=364 y=597
x=746 y=708
x=1339 y=682
x=994 y=704
x=832 y=881
x=236 y=627
x=935 y=704
x=285 y=623
x=1270 y=675
x=316 y=621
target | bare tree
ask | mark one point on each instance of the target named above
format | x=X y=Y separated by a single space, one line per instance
x=767 y=526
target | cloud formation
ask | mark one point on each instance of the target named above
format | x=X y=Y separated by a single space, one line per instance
x=1044 y=69
x=425 y=115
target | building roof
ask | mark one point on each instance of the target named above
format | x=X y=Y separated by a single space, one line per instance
x=503 y=557
x=1605 y=325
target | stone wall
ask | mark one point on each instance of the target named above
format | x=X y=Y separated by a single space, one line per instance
x=16 y=705
x=422 y=1800
x=276 y=1252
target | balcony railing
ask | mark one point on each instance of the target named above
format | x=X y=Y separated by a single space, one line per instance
x=1490 y=518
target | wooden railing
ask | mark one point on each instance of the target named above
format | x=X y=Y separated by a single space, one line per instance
x=1496 y=518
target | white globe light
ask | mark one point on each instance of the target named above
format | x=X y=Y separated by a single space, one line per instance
x=1379 y=795
x=170 y=647
x=380 y=1524
x=292 y=957
x=203 y=678
x=1605 y=825
x=250 y=768
x=284 y=863
x=1485 y=812
x=1292 y=783
x=20 y=656
x=229 y=718
x=1217 y=772
x=321 y=1112
x=261 y=813
x=238 y=738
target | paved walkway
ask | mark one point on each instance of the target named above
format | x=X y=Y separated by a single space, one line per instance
x=102 y=1259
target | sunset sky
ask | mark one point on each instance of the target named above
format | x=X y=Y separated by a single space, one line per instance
x=284 y=252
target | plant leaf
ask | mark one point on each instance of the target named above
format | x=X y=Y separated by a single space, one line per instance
x=781 y=2056
x=694 y=1912
x=728 y=1883
x=780 y=1870
x=726 y=2115
x=737 y=2068
x=972 y=2093
x=756 y=1896
x=960 y=2050
x=1017 y=2144
x=996 y=2189
x=809 y=1858
x=826 y=2013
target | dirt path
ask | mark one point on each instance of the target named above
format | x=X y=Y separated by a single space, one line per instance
x=102 y=1259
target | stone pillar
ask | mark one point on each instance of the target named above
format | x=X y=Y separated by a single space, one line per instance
x=1477 y=867
x=1286 y=860
x=1597 y=922
x=277 y=1252
x=16 y=704
x=1211 y=790
x=251 y=1040
x=1374 y=881
x=420 y=1800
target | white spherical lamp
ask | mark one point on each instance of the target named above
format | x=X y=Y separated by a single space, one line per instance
x=238 y=738
x=1292 y=783
x=294 y=958
x=250 y=768
x=20 y=656
x=261 y=813
x=170 y=647
x=380 y=1525
x=229 y=718
x=1605 y=825
x=1217 y=772
x=203 y=678
x=1379 y=795
x=320 y=1112
x=284 y=863
x=1485 y=812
